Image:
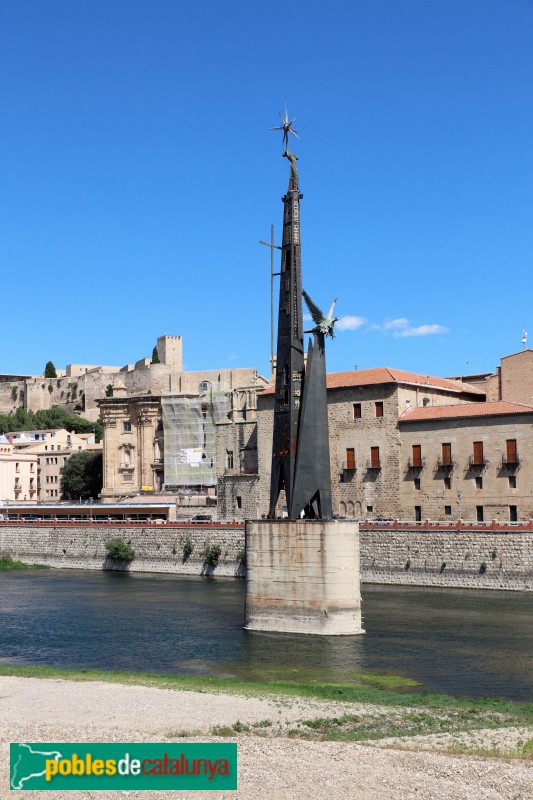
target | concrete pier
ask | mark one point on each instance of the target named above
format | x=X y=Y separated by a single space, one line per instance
x=303 y=577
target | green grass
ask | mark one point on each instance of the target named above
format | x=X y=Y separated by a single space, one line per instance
x=393 y=714
x=522 y=751
x=345 y=692
x=8 y=563
x=400 y=723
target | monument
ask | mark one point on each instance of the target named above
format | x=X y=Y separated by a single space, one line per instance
x=302 y=570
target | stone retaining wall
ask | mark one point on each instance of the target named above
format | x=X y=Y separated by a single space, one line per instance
x=402 y=557
x=157 y=548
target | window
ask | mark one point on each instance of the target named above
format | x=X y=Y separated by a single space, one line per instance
x=448 y=511
x=369 y=509
x=52 y=447
x=350 y=458
x=417 y=455
x=447 y=483
x=357 y=410
x=513 y=514
x=379 y=408
x=418 y=513
x=511 y=451
x=374 y=458
x=239 y=502
x=126 y=426
x=478 y=454
x=417 y=484
x=512 y=481
x=479 y=483
x=446 y=457
x=229 y=459
x=479 y=513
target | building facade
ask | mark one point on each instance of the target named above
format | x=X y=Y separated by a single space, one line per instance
x=50 y=449
x=405 y=446
x=168 y=443
x=18 y=474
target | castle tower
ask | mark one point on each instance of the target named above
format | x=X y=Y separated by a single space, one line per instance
x=170 y=351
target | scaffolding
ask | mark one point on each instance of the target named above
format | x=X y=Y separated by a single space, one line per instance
x=189 y=424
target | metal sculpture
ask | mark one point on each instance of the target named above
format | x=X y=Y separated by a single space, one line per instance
x=300 y=442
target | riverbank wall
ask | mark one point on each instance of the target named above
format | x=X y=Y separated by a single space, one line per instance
x=466 y=556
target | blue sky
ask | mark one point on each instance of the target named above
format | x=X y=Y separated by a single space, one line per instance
x=139 y=174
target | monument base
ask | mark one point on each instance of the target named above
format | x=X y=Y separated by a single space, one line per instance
x=302 y=576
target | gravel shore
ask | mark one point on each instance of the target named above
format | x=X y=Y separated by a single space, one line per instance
x=274 y=767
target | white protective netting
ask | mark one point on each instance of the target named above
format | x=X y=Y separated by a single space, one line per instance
x=190 y=441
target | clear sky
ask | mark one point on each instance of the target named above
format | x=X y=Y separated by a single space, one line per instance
x=139 y=174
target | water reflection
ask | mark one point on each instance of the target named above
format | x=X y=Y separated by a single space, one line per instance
x=460 y=642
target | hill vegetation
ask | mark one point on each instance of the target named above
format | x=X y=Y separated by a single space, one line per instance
x=52 y=418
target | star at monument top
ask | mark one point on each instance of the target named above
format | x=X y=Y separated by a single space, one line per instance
x=286 y=127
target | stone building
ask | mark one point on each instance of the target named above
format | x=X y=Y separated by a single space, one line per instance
x=167 y=442
x=404 y=446
x=470 y=461
x=79 y=386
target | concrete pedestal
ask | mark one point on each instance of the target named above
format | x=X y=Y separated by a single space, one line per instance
x=303 y=577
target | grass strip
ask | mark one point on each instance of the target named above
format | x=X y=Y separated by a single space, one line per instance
x=7 y=563
x=506 y=711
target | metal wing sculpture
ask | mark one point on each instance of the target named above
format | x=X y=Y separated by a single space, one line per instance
x=324 y=324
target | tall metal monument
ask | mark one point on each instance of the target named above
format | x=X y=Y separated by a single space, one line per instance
x=300 y=445
x=302 y=574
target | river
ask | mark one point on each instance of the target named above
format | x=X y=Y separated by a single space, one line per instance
x=470 y=643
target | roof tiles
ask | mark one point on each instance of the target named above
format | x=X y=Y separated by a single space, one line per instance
x=379 y=375
x=464 y=411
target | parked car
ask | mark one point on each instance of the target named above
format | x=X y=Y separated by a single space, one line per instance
x=202 y=518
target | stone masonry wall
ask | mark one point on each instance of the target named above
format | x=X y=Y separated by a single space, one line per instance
x=468 y=558
x=157 y=548
x=395 y=556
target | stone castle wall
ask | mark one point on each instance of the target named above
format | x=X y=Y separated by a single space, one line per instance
x=388 y=555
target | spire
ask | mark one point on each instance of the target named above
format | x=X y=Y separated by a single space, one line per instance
x=290 y=344
x=300 y=446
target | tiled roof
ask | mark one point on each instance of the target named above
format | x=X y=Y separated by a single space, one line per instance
x=464 y=411
x=367 y=377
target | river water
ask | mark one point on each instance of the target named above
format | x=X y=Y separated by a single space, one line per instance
x=470 y=643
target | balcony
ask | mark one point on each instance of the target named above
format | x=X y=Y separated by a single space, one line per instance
x=477 y=463
x=373 y=466
x=445 y=464
x=416 y=465
x=126 y=465
x=349 y=466
x=510 y=462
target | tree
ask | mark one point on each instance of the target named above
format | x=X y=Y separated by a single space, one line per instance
x=82 y=475
x=50 y=370
x=155 y=356
x=109 y=390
